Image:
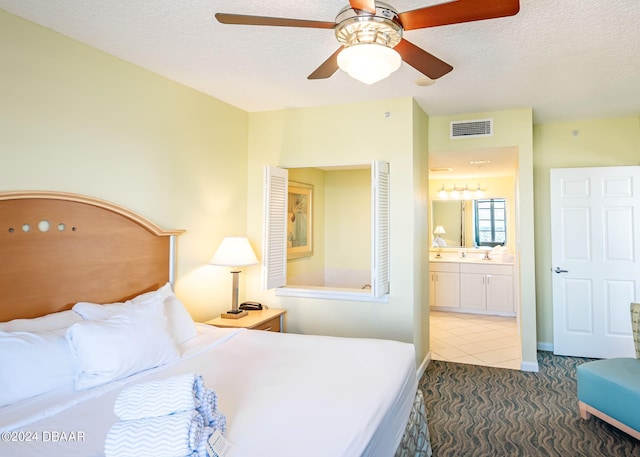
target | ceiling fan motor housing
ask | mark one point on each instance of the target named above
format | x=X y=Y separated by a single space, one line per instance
x=361 y=27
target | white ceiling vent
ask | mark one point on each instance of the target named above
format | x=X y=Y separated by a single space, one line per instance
x=471 y=129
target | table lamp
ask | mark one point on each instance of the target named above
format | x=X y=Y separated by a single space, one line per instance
x=234 y=252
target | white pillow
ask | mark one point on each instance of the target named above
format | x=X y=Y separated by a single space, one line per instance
x=33 y=363
x=53 y=321
x=122 y=345
x=180 y=324
x=97 y=312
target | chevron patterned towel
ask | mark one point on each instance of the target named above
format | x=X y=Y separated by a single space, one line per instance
x=210 y=400
x=180 y=434
x=215 y=419
x=160 y=398
x=209 y=410
x=201 y=450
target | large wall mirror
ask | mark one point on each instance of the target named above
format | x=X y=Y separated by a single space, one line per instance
x=449 y=216
x=469 y=223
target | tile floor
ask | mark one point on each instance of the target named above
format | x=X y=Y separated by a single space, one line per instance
x=475 y=339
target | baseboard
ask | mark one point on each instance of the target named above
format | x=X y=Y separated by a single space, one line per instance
x=423 y=366
x=529 y=366
x=542 y=346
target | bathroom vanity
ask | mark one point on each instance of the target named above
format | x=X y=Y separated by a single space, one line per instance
x=472 y=285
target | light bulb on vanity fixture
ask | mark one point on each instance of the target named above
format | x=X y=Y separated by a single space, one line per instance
x=479 y=193
x=443 y=193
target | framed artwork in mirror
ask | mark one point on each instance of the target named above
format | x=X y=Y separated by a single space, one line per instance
x=299 y=220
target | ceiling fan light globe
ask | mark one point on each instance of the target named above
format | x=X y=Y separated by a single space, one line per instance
x=369 y=63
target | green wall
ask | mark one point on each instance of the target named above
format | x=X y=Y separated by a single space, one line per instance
x=512 y=129
x=78 y=120
x=421 y=235
x=341 y=208
x=348 y=219
x=305 y=266
x=569 y=144
x=324 y=136
x=75 y=119
x=496 y=187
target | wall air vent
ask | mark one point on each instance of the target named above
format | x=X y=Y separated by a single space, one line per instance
x=471 y=129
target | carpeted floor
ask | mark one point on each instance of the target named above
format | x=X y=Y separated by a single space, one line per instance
x=494 y=412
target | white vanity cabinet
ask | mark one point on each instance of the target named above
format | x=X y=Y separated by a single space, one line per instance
x=472 y=287
x=486 y=288
x=444 y=287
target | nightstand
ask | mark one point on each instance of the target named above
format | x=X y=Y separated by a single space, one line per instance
x=271 y=320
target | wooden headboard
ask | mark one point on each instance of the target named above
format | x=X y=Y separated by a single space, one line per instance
x=57 y=249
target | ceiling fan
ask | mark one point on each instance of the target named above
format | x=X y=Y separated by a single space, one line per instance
x=367 y=27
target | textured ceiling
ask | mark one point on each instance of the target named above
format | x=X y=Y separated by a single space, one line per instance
x=567 y=59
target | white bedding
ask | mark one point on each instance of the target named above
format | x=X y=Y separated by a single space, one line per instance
x=283 y=395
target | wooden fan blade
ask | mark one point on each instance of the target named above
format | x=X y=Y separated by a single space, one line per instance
x=421 y=60
x=328 y=67
x=242 y=19
x=364 y=5
x=458 y=11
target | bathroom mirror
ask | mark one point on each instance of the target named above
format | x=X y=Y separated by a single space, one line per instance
x=450 y=215
x=459 y=220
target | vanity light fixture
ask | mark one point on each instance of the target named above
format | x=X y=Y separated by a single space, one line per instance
x=461 y=193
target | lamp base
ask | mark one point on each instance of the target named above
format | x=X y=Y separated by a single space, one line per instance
x=234 y=314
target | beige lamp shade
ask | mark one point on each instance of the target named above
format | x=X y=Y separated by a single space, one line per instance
x=234 y=251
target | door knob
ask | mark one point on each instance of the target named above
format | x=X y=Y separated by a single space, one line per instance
x=560 y=270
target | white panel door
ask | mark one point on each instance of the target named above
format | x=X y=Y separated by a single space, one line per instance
x=595 y=237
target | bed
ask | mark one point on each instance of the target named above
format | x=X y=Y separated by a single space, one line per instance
x=92 y=280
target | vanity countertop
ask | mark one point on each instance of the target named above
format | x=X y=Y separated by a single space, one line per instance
x=469 y=260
